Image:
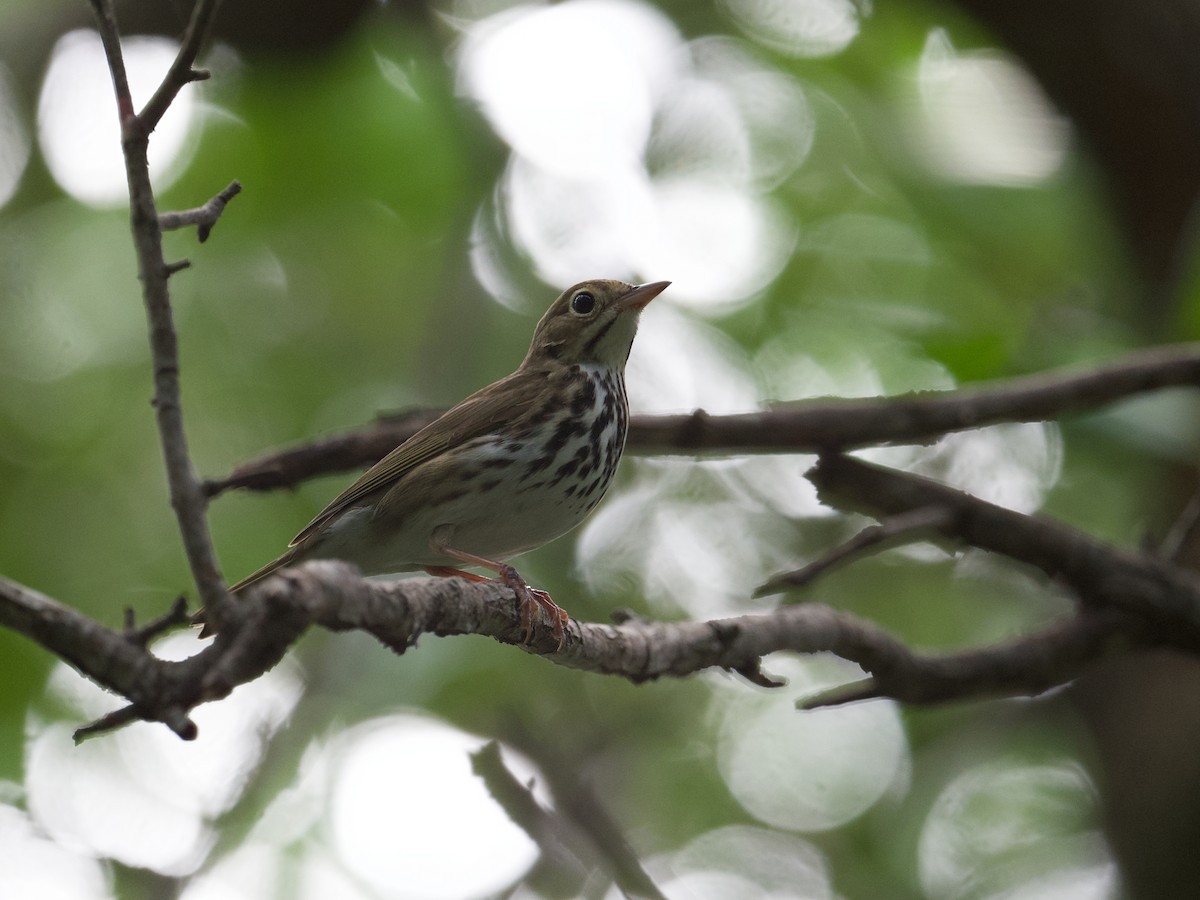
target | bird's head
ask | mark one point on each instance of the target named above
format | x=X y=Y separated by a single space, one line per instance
x=592 y=322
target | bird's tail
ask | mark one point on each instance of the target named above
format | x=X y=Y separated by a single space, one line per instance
x=253 y=578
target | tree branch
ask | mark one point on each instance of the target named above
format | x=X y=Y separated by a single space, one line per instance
x=267 y=619
x=187 y=498
x=807 y=426
x=1102 y=576
x=1027 y=666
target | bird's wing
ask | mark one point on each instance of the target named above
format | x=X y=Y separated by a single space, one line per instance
x=477 y=415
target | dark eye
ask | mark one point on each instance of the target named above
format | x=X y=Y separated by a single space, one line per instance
x=583 y=303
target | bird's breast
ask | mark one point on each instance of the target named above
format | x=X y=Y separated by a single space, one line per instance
x=539 y=478
x=579 y=445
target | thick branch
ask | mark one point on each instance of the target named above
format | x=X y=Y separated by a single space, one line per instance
x=268 y=619
x=187 y=497
x=809 y=426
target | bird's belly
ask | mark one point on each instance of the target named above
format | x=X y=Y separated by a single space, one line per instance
x=526 y=503
x=505 y=522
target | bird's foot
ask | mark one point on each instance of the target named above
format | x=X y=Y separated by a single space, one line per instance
x=533 y=601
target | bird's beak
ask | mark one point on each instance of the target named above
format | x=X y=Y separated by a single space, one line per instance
x=642 y=294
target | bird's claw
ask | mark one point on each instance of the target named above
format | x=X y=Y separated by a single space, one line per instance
x=533 y=601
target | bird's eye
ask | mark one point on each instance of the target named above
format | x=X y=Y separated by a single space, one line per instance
x=583 y=303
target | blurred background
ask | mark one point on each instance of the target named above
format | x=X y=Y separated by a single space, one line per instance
x=851 y=198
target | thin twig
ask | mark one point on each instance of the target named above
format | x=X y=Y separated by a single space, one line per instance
x=174 y=718
x=562 y=858
x=903 y=528
x=808 y=426
x=578 y=805
x=181 y=72
x=176 y=616
x=187 y=498
x=203 y=217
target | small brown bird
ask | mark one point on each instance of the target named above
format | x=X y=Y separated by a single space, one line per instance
x=510 y=468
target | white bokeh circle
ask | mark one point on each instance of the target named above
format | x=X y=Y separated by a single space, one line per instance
x=811 y=771
x=408 y=816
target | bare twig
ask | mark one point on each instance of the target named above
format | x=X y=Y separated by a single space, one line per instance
x=903 y=528
x=1027 y=666
x=563 y=859
x=181 y=72
x=203 y=217
x=69 y=634
x=187 y=498
x=582 y=810
x=809 y=426
x=173 y=618
x=174 y=718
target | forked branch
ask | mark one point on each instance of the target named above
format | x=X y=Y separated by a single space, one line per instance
x=187 y=497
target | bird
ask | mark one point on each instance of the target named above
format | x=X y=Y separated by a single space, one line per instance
x=510 y=468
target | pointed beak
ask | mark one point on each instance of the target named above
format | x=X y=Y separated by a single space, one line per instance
x=642 y=294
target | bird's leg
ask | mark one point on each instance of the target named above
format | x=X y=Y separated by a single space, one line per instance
x=530 y=598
